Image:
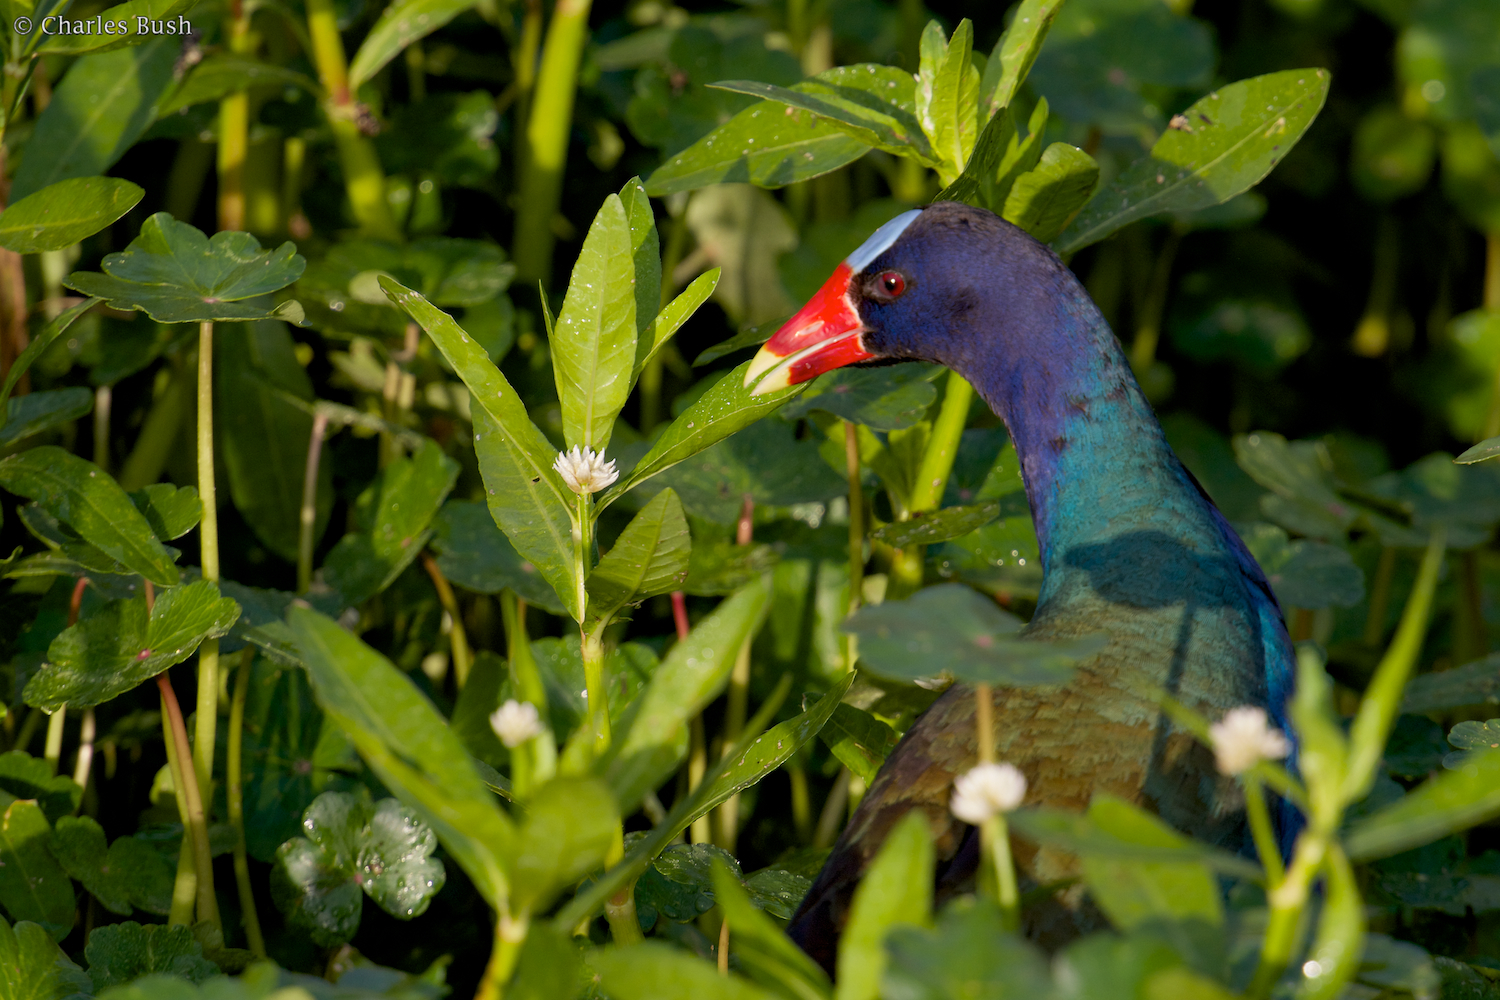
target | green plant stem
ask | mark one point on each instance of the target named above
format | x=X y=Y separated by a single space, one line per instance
x=159 y=433
x=1472 y=640
x=364 y=181
x=234 y=130
x=208 y=653
x=82 y=767
x=619 y=910
x=458 y=639
x=1380 y=596
x=197 y=831
x=510 y=934
x=523 y=65
x=1262 y=831
x=931 y=478
x=1372 y=337
x=185 y=885
x=737 y=703
x=549 y=124
x=591 y=639
x=856 y=515
x=53 y=750
x=994 y=842
x=1153 y=304
x=235 y=792
x=308 y=515
x=1287 y=901
x=527 y=684
x=984 y=722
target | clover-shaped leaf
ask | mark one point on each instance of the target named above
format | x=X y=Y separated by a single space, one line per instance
x=951 y=631
x=176 y=274
x=1472 y=739
x=354 y=846
x=120 y=953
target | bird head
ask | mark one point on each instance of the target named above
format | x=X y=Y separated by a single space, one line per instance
x=905 y=294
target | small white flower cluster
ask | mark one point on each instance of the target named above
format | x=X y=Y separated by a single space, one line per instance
x=584 y=470
x=515 y=722
x=987 y=790
x=1244 y=738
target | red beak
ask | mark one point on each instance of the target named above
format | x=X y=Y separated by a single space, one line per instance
x=824 y=335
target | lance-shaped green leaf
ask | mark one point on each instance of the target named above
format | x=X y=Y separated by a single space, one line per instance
x=725 y=408
x=1224 y=144
x=67 y=545
x=677 y=312
x=948 y=96
x=650 y=557
x=400 y=24
x=593 y=347
x=525 y=494
x=1015 y=53
x=473 y=553
x=1133 y=892
x=1020 y=156
x=1080 y=835
x=38 y=411
x=896 y=890
x=117 y=647
x=691 y=676
x=65 y=213
x=351 y=844
x=1476 y=683
x=1482 y=452
x=120 y=953
x=645 y=251
x=928 y=527
x=33 y=967
x=224 y=73
x=1044 y=200
x=970 y=187
x=654 y=971
x=39 y=344
x=870 y=103
x=1453 y=800
x=409 y=746
x=952 y=630
x=570 y=826
x=86 y=498
x=175 y=274
x=33 y=885
x=859 y=740
x=391 y=515
x=172 y=511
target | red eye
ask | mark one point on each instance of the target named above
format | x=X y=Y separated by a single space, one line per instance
x=891 y=283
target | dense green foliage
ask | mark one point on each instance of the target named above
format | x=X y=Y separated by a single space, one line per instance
x=303 y=313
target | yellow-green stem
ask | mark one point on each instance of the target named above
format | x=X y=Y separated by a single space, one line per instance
x=527 y=682
x=856 y=515
x=53 y=751
x=701 y=831
x=619 y=910
x=1380 y=596
x=737 y=702
x=1287 y=901
x=208 y=534
x=549 y=124
x=249 y=919
x=1153 y=304
x=593 y=683
x=234 y=128
x=994 y=841
x=510 y=934
x=458 y=639
x=85 y=762
x=1262 y=831
x=984 y=722
x=932 y=477
x=197 y=829
x=308 y=515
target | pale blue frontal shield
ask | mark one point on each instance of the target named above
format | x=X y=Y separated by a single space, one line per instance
x=880 y=241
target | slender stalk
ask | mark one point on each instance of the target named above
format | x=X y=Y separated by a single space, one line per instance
x=801 y=800
x=723 y=951
x=1492 y=271
x=984 y=721
x=619 y=911
x=701 y=831
x=856 y=515
x=185 y=886
x=159 y=433
x=308 y=516
x=249 y=919
x=831 y=819
x=234 y=126
x=932 y=478
x=549 y=124
x=103 y=398
x=737 y=704
x=293 y=156
x=1262 y=831
x=527 y=682
x=994 y=841
x=651 y=375
x=510 y=934
x=208 y=906
x=53 y=748
x=1472 y=638
x=1153 y=304
x=1380 y=597
x=28 y=729
x=523 y=65
x=1287 y=899
x=202 y=754
x=1372 y=337
x=86 y=732
x=458 y=639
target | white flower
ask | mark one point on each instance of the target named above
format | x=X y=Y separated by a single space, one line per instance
x=1243 y=738
x=584 y=471
x=986 y=790
x=515 y=722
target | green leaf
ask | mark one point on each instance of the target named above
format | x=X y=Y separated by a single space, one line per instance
x=172 y=511
x=119 y=875
x=1131 y=892
x=930 y=526
x=392 y=516
x=1299 y=475
x=968 y=953
x=1305 y=574
x=225 y=73
x=84 y=497
x=38 y=411
x=400 y=24
x=352 y=844
x=677 y=312
x=867 y=102
x=952 y=630
x=896 y=890
x=475 y=554
x=725 y=408
x=175 y=274
x=265 y=434
x=1334 y=957
x=883 y=399
x=40 y=342
x=1079 y=835
x=593 y=347
x=978 y=174
x=103 y=105
x=859 y=740
x=1473 y=739
x=1481 y=452
x=120 y=953
x=1043 y=201
x=650 y=557
x=654 y=971
x=112 y=650
x=1106 y=965
x=645 y=250
x=66 y=213
x=526 y=496
x=1239 y=132
x=33 y=886
x=1476 y=683
x=764 y=462
x=692 y=674
x=570 y=827
x=764 y=951
x=1015 y=53
x=409 y=746
x=947 y=96
x=33 y=967
x=679 y=884
x=27 y=777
